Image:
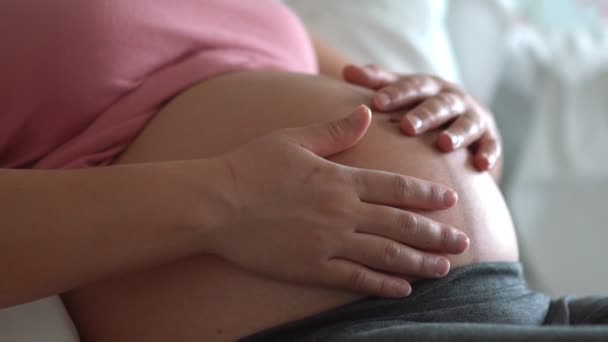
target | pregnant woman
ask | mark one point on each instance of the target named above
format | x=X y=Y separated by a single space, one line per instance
x=182 y=98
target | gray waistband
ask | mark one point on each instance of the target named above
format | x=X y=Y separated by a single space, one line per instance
x=487 y=292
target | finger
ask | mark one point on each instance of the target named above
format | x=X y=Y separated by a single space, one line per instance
x=467 y=129
x=333 y=137
x=488 y=152
x=369 y=76
x=406 y=91
x=433 y=113
x=412 y=230
x=387 y=255
x=401 y=191
x=346 y=274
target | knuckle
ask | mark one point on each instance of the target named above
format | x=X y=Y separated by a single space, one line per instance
x=442 y=106
x=459 y=105
x=416 y=85
x=408 y=86
x=445 y=99
x=424 y=261
x=360 y=181
x=433 y=109
x=403 y=186
x=434 y=105
x=426 y=111
x=317 y=173
x=423 y=193
x=445 y=237
x=385 y=286
x=312 y=175
x=336 y=174
x=430 y=83
x=348 y=183
x=430 y=107
x=452 y=101
x=408 y=224
x=331 y=177
x=472 y=124
x=334 y=199
x=359 y=279
x=436 y=194
x=465 y=124
x=393 y=91
x=335 y=131
x=334 y=207
x=404 y=86
x=322 y=241
x=391 y=254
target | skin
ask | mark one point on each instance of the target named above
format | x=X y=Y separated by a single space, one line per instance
x=52 y=220
x=138 y=240
x=32 y=191
x=208 y=298
x=432 y=103
x=424 y=103
x=45 y=244
x=185 y=215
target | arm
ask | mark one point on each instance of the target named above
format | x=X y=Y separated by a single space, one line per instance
x=61 y=229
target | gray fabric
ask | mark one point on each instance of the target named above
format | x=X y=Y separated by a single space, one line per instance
x=468 y=332
x=578 y=311
x=473 y=303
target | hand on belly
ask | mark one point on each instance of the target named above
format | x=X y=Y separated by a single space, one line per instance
x=208 y=298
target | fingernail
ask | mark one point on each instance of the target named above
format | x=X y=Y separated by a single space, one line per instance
x=459 y=239
x=363 y=108
x=450 y=198
x=415 y=122
x=402 y=289
x=441 y=266
x=382 y=100
x=455 y=139
x=357 y=115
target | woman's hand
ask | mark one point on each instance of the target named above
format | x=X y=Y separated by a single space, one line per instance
x=299 y=217
x=431 y=102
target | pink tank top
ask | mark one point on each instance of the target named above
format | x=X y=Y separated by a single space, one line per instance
x=80 y=79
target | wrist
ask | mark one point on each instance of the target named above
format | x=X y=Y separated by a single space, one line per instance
x=210 y=200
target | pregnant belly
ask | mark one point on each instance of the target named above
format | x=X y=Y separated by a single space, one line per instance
x=206 y=298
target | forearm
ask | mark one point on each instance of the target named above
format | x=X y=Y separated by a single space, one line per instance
x=61 y=229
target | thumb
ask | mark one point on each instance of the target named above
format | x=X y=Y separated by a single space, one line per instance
x=336 y=136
